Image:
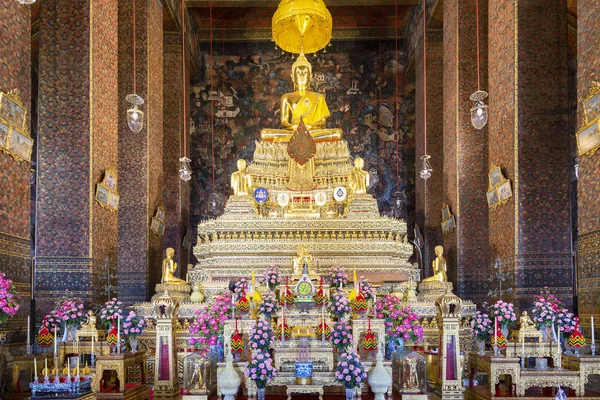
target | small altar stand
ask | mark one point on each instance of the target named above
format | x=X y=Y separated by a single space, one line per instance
x=127 y=380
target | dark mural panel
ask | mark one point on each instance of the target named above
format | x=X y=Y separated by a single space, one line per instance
x=245 y=84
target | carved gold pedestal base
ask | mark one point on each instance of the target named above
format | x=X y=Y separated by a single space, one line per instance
x=432 y=290
x=178 y=291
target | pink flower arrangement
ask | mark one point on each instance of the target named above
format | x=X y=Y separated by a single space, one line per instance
x=400 y=322
x=110 y=312
x=341 y=336
x=504 y=311
x=269 y=304
x=271 y=277
x=240 y=287
x=69 y=309
x=260 y=368
x=367 y=289
x=350 y=371
x=134 y=325
x=339 y=304
x=9 y=297
x=338 y=276
x=545 y=308
x=481 y=326
x=565 y=321
x=260 y=335
x=209 y=320
x=52 y=322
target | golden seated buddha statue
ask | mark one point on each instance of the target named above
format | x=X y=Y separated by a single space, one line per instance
x=303 y=104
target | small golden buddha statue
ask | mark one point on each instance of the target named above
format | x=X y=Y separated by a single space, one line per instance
x=302 y=257
x=359 y=178
x=439 y=267
x=305 y=104
x=241 y=181
x=525 y=322
x=169 y=266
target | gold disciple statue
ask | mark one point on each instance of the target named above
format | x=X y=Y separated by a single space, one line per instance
x=359 y=178
x=310 y=106
x=241 y=181
x=302 y=257
x=439 y=267
x=169 y=266
x=526 y=322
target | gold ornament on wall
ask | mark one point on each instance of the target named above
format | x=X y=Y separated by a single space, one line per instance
x=15 y=139
x=499 y=188
x=106 y=191
x=588 y=136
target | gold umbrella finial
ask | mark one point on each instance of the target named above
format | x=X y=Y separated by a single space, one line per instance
x=302 y=26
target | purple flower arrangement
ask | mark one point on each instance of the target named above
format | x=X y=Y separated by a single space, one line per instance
x=338 y=276
x=367 y=289
x=53 y=322
x=341 y=336
x=565 y=321
x=9 y=297
x=110 y=312
x=481 y=326
x=545 y=308
x=209 y=320
x=271 y=277
x=339 y=304
x=69 y=309
x=240 y=287
x=504 y=311
x=350 y=371
x=134 y=325
x=269 y=304
x=260 y=336
x=260 y=368
x=400 y=322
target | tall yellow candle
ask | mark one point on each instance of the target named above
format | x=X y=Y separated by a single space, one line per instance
x=35 y=369
x=92 y=344
x=46 y=367
x=68 y=369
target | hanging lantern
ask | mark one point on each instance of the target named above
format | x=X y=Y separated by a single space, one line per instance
x=185 y=171
x=26 y=2
x=479 y=111
x=135 y=116
x=426 y=169
x=302 y=26
x=237 y=341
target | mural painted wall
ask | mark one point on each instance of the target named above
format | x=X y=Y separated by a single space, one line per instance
x=244 y=86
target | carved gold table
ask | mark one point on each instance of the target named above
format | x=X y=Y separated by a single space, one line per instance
x=131 y=372
x=534 y=349
x=585 y=364
x=304 y=389
x=494 y=366
x=548 y=378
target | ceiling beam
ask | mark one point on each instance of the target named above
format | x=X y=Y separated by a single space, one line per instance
x=275 y=3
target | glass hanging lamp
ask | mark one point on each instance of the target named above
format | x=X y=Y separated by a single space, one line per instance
x=135 y=116
x=185 y=171
x=479 y=111
x=426 y=169
x=27 y=2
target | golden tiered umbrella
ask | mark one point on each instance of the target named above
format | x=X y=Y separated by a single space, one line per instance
x=302 y=26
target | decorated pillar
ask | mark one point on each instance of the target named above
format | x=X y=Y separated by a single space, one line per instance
x=15 y=58
x=142 y=212
x=176 y=193
x=449 y=385
x=166 y=381
x=465 y=149
x=530 y=220
x=588 y=186
x=78 y=186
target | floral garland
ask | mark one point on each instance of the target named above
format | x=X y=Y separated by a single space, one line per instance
x=367 y=289
x=350 y=371
x=269 y=305
x=338 y=276
x=70 y=309
x=9 y=296
x=260 y=335
x=271 y=277
x=260 y=369
x=481 y=326
x=110 y=312
x=504 y=311
x=209 y=321
x=339 y=304
x=341 y=336
x=400 y=322
x=134 y=325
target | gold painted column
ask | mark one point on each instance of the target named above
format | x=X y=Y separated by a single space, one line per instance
x=166 y=381
x=449 y=386
x=140 y=154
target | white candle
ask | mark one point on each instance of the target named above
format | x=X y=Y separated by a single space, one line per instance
x=68 y=369
x=593 y=336
x=232 y=306
x=282 y=322
x=55 y=342
x=92 y=351
x=35 y=369
x=77 y=346
x=46 y=369
x=118 y=334
x=28 y=330
x=77 y=367
x=523 y=344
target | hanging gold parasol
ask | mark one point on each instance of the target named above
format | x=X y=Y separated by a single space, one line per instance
x=302 y=26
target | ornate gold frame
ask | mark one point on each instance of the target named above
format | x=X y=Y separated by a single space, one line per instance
x=15 y=97
x=495 y=189
x=594 y=125
x=160 y=228
x=594 y=91
x=448 y=222
x=109 y=173
x=102 y=204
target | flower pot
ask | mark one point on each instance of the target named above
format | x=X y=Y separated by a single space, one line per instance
x=133 y=343
x=261 y=393
x=349 y=393
x=544 y=333
x=481 y=347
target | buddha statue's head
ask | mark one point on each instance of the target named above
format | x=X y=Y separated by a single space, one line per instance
x=241 y=165
x=439 y=250
x=359 y=163
x=301 y=72
x=170 y=252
